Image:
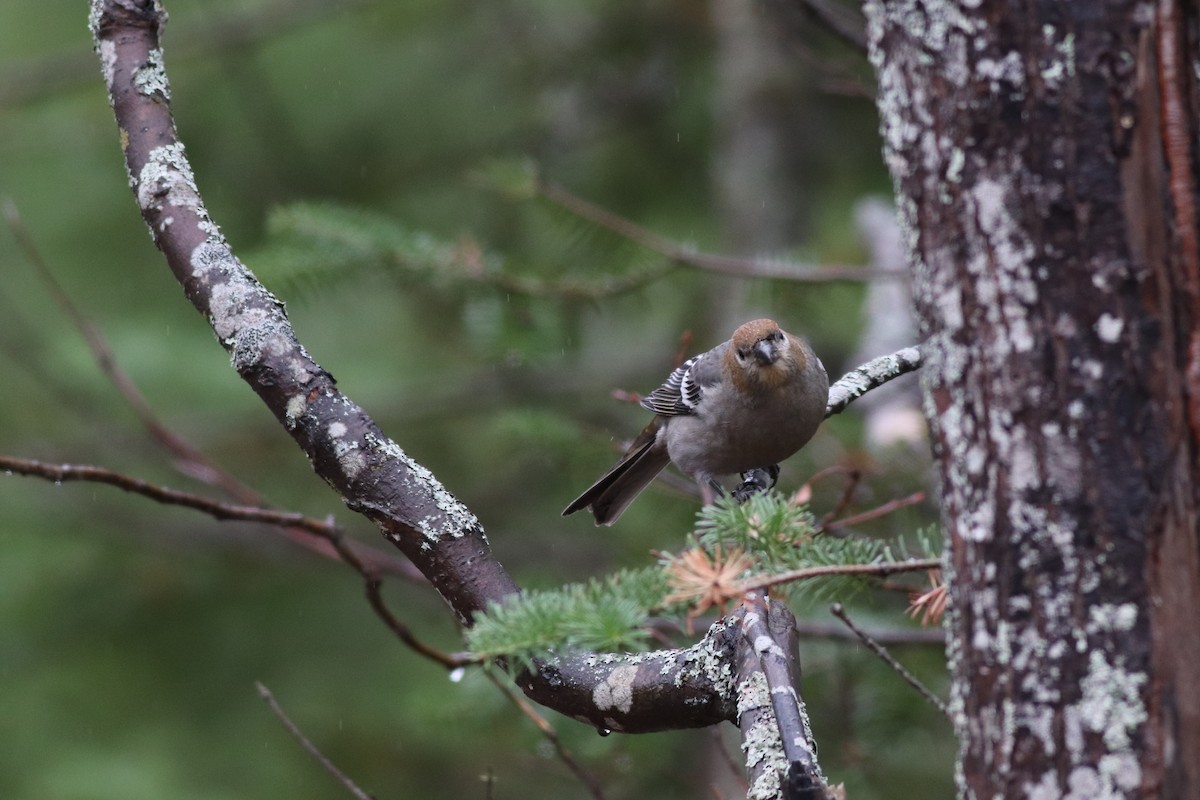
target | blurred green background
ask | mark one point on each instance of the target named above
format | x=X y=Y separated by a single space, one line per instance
x=131 y=634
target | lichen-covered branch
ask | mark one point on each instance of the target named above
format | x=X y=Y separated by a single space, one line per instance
x=371 y=472
x=781 y=759
x=871 y=375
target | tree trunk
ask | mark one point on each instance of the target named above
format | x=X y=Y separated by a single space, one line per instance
x=1044 y=160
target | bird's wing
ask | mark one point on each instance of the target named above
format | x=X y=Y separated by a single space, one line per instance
x=681 y=392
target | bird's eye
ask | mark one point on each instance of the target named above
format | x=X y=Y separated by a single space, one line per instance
x=776 y=336
x=743 y=354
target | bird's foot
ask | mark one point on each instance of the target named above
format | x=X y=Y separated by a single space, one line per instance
x=756 y=480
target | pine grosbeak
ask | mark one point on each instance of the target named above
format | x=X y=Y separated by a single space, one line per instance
x=742 y=407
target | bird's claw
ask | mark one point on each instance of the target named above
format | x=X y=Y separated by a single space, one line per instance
x=756 y=480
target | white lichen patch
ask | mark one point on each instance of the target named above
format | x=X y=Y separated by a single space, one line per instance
x=350 y=457
x=1090 y=368
x=167 y=179
x=1059 y=65
x=1108 y=617
x=1109 y=328
x=151 y=77
x=299 y=368
x=295 y=408
x=859 y=381
x=212 y=261
x=107 y=51
x=95 y=15
x=1007 y=70
x=260 y=340
x=454 y=519
x=761 y=742
x=246 y=317
x=705 y=659
x=765 y=645
x=616 y=690
x=1111 y=704
x=1004 y=282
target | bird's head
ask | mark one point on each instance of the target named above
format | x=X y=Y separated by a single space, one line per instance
x=762 y=356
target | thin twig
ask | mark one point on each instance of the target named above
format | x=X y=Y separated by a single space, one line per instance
x=805 y=573
x=839 y=21
x=853 y=476
x=660 y=627
x=551 y=734
x=189 y=459
x=688 y=256
x=875 y=513
x=196 y=464
x=60 y=473
x=735 y=769
x=320 y=757
x=875 y=647
x=405 y=634
x=326 y=529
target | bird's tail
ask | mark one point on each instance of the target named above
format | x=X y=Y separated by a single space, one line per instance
x=611 y=495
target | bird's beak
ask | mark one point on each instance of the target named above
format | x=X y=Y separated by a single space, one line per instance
x=765 y=353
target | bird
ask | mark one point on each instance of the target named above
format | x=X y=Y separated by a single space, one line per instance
x=742 y=407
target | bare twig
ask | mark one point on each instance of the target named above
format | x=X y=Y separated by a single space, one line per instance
x=551 y=734
x=840 y=22
x=871 y=570
x=405 y=634
x=875 y=513
x=311 y=748
x=190 y=460
x=60 y=473
x=660 y=628
x=875 y=647
x=326 y=529
x=196 y=464
x=853 y=476
x=735 y=769
x=688 y=256
x=896 y=637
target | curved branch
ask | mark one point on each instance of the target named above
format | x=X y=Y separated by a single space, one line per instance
x=871 y=375
x=372 y=473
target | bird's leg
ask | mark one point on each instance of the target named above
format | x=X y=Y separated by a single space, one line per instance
x=710 y=490
x=756 y=480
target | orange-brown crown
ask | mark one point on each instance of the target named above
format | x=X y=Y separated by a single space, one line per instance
x=753 y=332
x=747 y=372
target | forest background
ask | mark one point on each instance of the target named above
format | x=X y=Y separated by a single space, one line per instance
x=132 y=634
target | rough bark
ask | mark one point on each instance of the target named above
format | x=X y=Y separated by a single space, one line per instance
x=1044 y=161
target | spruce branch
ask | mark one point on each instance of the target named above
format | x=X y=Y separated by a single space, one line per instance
x=314 y=244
